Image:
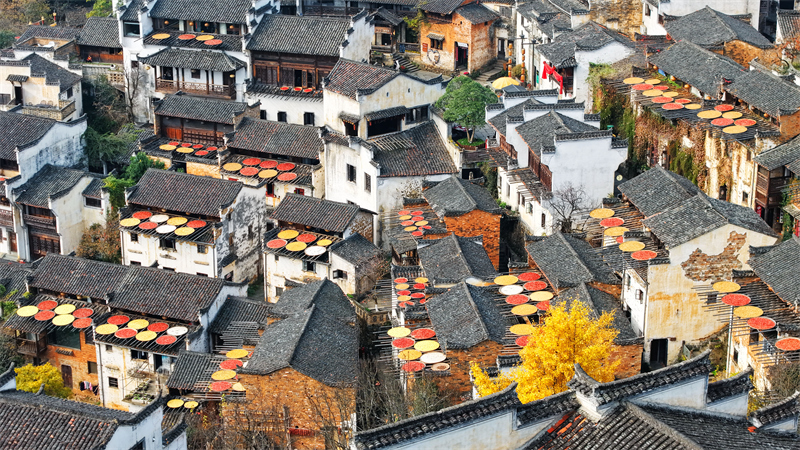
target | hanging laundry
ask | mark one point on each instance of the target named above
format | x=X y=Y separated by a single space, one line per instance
x=549 y=70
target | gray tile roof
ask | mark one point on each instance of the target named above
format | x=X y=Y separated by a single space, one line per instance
x=465 y=316
x=782 y=155
x=217 y=61
x=708 y=28
x=94 y=189
x=590 y=36
x=49 y=183
x=515 y=112
x=572 y=6
x=603 y=393
x=299 y=35
x=20 y=130
x=48 y=32
x=394 y=111
x=736 y=385
x=13 y=276
x=37 y=421
x=788 y=23
x=700 y=215
x=348 y=77
x=356 y=249
x=418 y=151
x=131 y=12
x=100 y=32
x=601 y=302
x=52 y=73
x=324 y=293
x=476 y=13
x=777 y=412
x=657 y=190
x=454 y=258
x=697 y=66
x=186 y=107
x=173 y=295
x=191 y=194
x=441 y=6
x=241 y=309
x=315 y=212
x=311 y=342
x=388 y=16
x=277 y=138
x=192 y=368
x=456 y=197
x=542 y=131
x=766 y=92
x=77 y=276
x=568 y=261
x=232 y=11
x=778 y=268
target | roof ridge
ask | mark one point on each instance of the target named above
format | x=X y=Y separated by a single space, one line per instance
x=476 y=309
x=309 y=312
x=661 y=426
x=575 y=253
x=464 y=190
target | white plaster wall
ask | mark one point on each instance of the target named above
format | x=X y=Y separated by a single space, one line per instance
x=651 y=26
x=148 y=431
x=184 y=258
x=338 y=188
x=588 y=162
x=179 y=443
x=335 y=103
x=69 y=212
x=610 y=53
x=347 y=285
x=294 y=107
x=280 y=268
x=402 y=90
x=690 y=393
x=736 y=405
x=61 y=146
x=632 y=282
x=359 y=42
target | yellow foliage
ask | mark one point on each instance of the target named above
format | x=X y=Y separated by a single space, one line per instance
x=567 y=337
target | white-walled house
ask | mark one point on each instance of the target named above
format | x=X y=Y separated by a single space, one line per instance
x=290 y=57
x=551 y=148
x=655 y=12
x=570 y=55
x=41 y=87
x=194 y=224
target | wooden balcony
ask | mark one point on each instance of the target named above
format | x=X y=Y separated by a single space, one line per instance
x=31 y=348
x=209 y=90
x=6 y=218
x=40 y=221
x=64 y=109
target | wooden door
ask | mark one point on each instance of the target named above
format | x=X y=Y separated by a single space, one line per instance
x=173 y=133
x=12 y=241
x=66 y=375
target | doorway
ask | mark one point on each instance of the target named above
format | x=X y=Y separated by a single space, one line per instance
x=658 y=353
x=18 y=95
x=66 y=375
x=12 y=242
x=462 y=55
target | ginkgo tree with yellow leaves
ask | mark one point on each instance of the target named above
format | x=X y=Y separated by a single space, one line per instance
x=569 y=335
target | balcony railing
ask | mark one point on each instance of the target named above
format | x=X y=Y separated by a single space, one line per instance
x=6 y=218
x=42 y=221
x=64 y=109
x=112 y=72
x=32 y=348
x=211 y=90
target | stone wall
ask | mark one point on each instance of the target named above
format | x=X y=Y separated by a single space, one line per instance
x=743 y=53
x=703 y=267
x=624 y=16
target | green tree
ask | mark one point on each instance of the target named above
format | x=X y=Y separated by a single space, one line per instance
x=101 y=8
x=30 y=379
x=101 y=243
x=464 y=103
x=8 y=352
x=105 y=148
x=139 y=164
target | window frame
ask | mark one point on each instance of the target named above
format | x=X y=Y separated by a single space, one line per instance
x=351 y=173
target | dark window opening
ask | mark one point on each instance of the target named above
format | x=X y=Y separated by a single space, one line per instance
x=309 y=266
x=351 y=129
x=383 y=126
x=437 y=44
x=113 y=382
x=93 y=202
x=281 y=116
x=367 y=183
x=130 y=28
x=351 y=173
x=136 y=354
x=91 y=367
x=658 y=353
x=300 y=191
x=308 y=119
x=134 y=237
x=65 y=338
x=167 y=244
x=263 y=115
x=270 y=190
x=340 y=274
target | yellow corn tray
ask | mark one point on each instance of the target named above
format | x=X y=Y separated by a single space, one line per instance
x=421 y=280
x=506 y=280
x=160 y=36
x=167 y=147
x=296 y=246
x=205 y=37
x=633 y=80
x=324 y=242
x=129 y=222
x=398 y=332
x=710 y=114
x=421 y=223
x=267 y=173
x=732 y=115
x=410 y=228
x=190 y=405
x=145 y=336
x=138 y=324
x=735 y=129
x=631 y=246
x=184 y=231
x=64 y=309
x=63 y=319
x=540 y=296
x=232 y=167
x=521 y=329
x=601 y=213
x=652 y=93
x=405 y=217
x=401 y=286
x=409 y=355
x=222 y=375
x=175 y=403
x=185 y=150
x=106 y=328
x=237 y=353
x=653 y=81
x=177 y=221
x=27 y=311
x=403 y=298
x=288 y=234
x=725 y=286
x=426 y=346
x=524 y=310
x=748 y=312
x=669 y=94
x=238 y=387
x=615 y=231
x=692 y=106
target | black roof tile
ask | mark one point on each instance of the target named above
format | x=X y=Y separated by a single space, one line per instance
x=277 y=138
x=131 y=12
x=697 y=66
x=315 y=212
x=728 y=387
x=241 y=309
x=568 y=261
x=48 y=32
x=232 y=11
x=782 y=155
x=465 y=316
x=192 y=368
x=657 y=190
x=441 y=6
x=217 y=61
x=418 y=151
x=100 y=32
x=324 y=293
x=52 y=73
x=356 y=249
x=186 y=107
x=601 y=302
x=766 y=92
x=476 y=13
x=191 y=194
x=77 y=276
x=777 y=412
x=49 y=183
x=456 y=197
x=349 y=77
x=590 y=36
x=788 y=23
x=299 y=35
x=20 y=130
x=778 y=269
x=543 y=130
x=94 y=189
x=707 y=28
x=454 y=258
